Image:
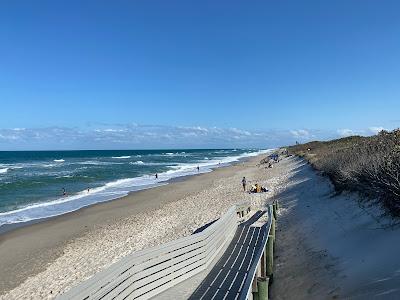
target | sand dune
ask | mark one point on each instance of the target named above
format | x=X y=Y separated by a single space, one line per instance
x=329 y=246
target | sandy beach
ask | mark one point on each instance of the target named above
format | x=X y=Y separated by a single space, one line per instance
x=327 y=247
x=44 y=259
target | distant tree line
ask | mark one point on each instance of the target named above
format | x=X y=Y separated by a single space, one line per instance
x=368 y=165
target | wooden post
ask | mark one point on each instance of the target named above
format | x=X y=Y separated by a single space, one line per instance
x=273 y=227
x=274 y=210
x=270 y=256
x=263 y=263
x=255 y=296
x=262 y=283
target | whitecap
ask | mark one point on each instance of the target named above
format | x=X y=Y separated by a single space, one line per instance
x=122 y=157
x=59 y=160
x=98 y=163
x=65 y=176
x=3 y=171
x=139 y=162
x=48 y=165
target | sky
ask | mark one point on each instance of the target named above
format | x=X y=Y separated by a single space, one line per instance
x=195 y=74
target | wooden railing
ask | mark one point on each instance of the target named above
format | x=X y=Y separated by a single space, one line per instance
x=242 y=211
x=261 y=271
x=149 y=272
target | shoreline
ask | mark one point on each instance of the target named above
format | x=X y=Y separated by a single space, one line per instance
x=15 y=226
x=27 y=251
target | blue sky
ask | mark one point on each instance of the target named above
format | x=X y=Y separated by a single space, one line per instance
x=279 y=71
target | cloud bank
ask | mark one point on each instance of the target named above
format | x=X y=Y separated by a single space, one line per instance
x=134 y=136
x=365 y=132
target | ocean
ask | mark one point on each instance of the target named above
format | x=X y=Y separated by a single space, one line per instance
x=32 y=183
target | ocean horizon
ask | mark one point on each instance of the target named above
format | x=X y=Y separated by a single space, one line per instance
x=32 y=183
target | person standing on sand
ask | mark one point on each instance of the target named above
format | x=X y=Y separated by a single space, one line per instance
x=198 y=169
x=244 y=183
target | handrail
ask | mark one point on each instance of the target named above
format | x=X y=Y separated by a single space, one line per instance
x=149 y=272
x=247 y=286
x=243 y=210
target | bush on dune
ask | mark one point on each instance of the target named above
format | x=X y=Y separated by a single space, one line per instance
x=369 y=165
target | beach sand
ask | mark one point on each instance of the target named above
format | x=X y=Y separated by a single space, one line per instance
x=327 y=245
x=41 y=260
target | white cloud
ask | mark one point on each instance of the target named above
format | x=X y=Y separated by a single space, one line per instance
x=136 y=136
x=300 y=133
x=365 y=132
x=346 y=132
x=376 y=129
x=128 y=136
x=240 y=132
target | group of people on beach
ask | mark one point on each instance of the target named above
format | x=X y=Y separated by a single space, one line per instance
x=258 y=188
x=255 y=188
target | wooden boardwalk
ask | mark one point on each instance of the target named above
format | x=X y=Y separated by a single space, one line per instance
x=148 y=273
x=227 y=278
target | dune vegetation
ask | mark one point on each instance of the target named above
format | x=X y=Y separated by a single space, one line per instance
x=367 y=165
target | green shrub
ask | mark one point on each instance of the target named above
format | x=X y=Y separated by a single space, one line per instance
x=368 y=165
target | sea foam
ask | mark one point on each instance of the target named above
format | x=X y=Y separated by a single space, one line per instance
x=117 y=188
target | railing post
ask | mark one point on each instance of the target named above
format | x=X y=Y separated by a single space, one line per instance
x=273 y=228
x=270 y=256
x=270 y=244
x=263 y=263
x=262 y=284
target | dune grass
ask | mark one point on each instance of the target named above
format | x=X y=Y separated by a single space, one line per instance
x=368 y=165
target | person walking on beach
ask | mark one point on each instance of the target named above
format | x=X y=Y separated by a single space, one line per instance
x=156 y=176
x=244 y=183
x=198 y=169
